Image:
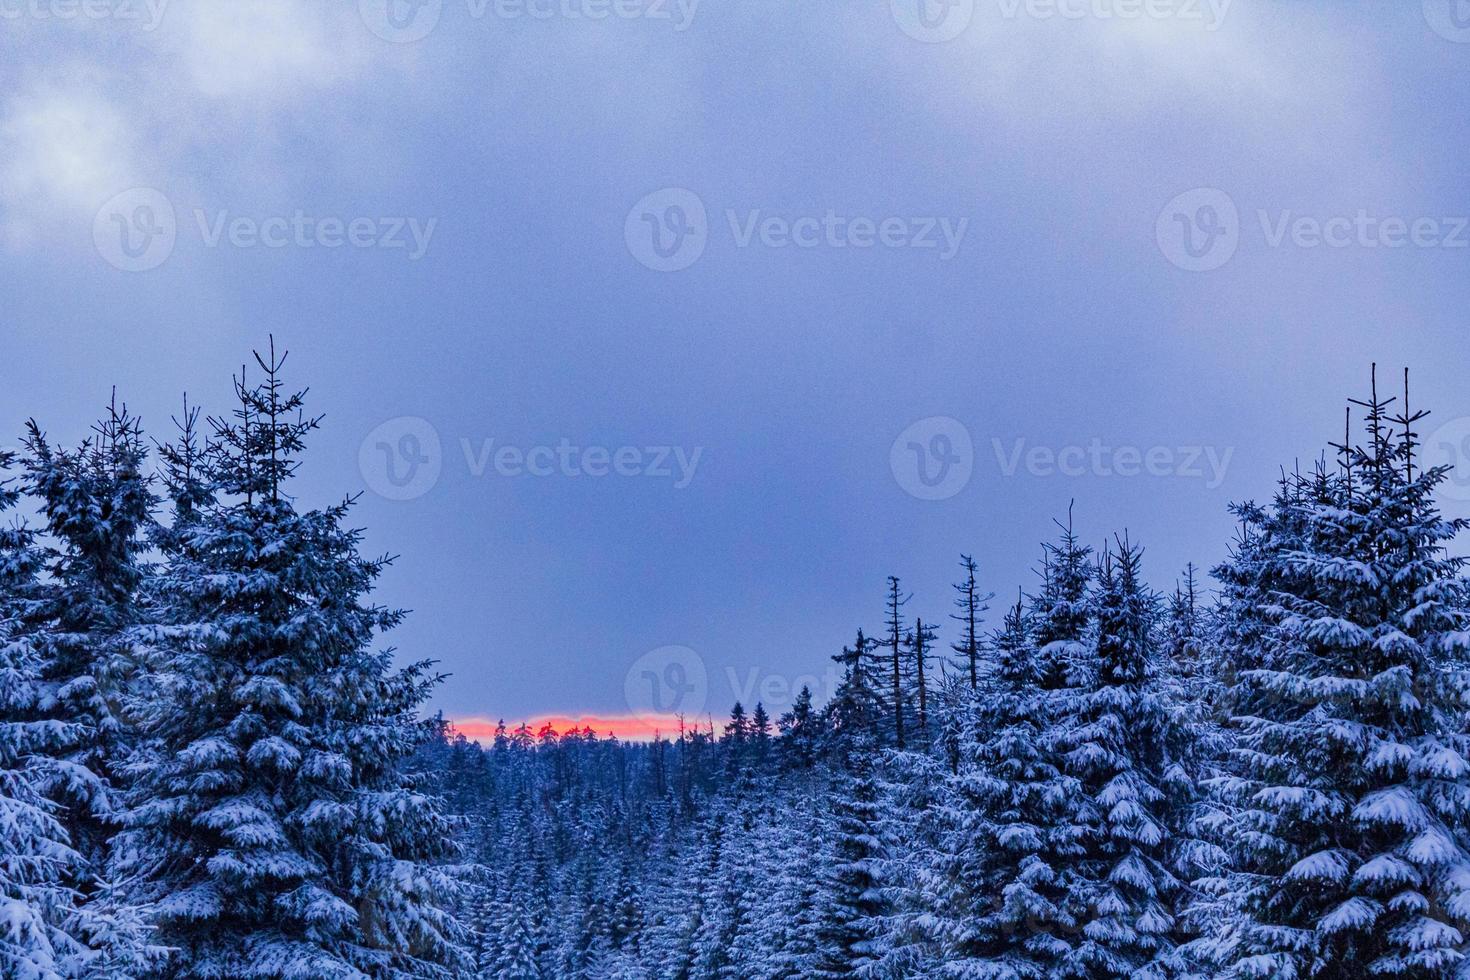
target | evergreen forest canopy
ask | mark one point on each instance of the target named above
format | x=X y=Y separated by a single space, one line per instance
x=210 y=768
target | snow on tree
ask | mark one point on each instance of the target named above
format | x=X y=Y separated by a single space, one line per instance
x=97 y=505
x=1351 y=789
x=37 y=908
x=1060 y=613
x=972 y=605
x=1119 y=742
x=998 y=880
x=848 y=898
x=279 y=832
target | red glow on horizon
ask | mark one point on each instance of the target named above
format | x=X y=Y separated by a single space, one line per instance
x=632 y=728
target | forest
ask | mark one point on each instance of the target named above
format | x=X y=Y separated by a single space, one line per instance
x=212 y=767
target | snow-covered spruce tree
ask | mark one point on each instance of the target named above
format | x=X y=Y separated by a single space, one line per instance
x=894 y=645
x=1060 y=613
x=911 y=785
x=97 y=505
x=779 y=941
x=972 y=605
x=38 y=910
x=279 y=832
x=997 y=882
x=848 y=900
x=1352 y=787
x=1120 y=743
x=918 y=652
x=801 y=734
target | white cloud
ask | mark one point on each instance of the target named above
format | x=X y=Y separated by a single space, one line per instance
x=64 y=152
x=264 y=49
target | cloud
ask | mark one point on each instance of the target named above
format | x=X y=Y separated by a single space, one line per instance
x=269 y=52
x=200 y=98
x=64 y=151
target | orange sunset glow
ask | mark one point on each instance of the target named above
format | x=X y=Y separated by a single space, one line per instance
x=633 y=728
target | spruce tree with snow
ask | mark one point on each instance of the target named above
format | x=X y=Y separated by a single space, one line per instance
x=1000 y=879
x=918 y=643
x=1121 y=745
x=38 y=911
x=972 y=605
x=849 y=899
x=855 y=714
x=801 y=733
x=894 y=644
x=276 y=825
x=97 y=505
x=1351 y=785
x=909 y=829
x=1060 y=613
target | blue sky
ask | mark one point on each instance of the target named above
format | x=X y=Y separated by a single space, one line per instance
x=963 y=232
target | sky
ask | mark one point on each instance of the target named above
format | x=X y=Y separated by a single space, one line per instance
x=655 y=334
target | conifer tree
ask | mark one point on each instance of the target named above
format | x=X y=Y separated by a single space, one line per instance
x=1121 y=746
x=972 y=606
x=97 y=506
x=801 y=734
x=1002 y=877
x=276 y=824
x=1060 y=614
x=919 y=642
x=38 y=911
x=1351 y=786
x=896 y=601
x=849 y=898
